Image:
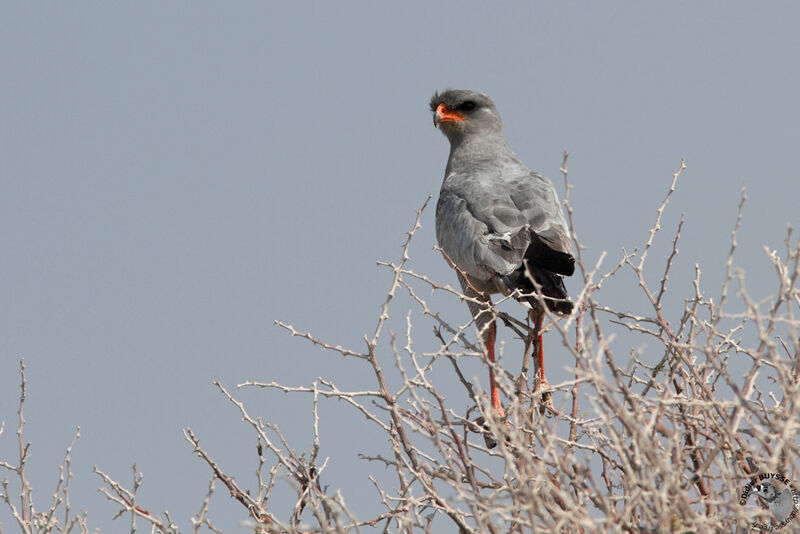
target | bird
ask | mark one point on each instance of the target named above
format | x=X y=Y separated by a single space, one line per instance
x=779 y=503
x=499 y=225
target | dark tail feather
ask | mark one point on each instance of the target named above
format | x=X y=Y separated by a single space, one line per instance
x=540 y=254
x=552 y=288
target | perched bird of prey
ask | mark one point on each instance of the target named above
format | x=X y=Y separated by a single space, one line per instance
x=779 y=503
x=500 y=225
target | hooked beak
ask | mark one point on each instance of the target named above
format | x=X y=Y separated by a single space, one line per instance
x=442 y=114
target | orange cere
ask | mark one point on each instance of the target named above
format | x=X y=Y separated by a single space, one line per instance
x=446 y=115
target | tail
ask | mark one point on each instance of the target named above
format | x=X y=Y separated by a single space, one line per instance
x=545 y=266
x=552 y=285
x=552 y=288
x=541 y=254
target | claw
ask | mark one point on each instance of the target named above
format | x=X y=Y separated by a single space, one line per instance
x=546 y=399
x=488 y=437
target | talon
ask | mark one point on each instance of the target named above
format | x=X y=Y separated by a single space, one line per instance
x=546 y=400
x=489 y=438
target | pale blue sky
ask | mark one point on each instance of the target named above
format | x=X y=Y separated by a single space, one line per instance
x=176 y=176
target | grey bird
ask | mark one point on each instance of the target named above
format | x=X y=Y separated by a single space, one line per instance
x=500 y=225
x=779 y=503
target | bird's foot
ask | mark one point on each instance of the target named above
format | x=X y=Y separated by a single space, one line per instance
x=485 y=428
x=546 y=399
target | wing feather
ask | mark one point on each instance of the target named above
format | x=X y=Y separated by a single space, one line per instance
x=486 y=224
x=535 y=196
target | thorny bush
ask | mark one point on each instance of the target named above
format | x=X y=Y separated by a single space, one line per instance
x=663 y=445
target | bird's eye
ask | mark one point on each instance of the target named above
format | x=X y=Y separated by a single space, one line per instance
x=469 y=105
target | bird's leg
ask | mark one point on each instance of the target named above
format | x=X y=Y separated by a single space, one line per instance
x=539 y=379
x=539 y=361
x=491 y=337
x=487 y=330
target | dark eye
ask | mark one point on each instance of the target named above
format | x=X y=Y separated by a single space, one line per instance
x=469 y=105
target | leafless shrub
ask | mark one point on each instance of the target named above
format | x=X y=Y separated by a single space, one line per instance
x=59 y=517
x=647 y=444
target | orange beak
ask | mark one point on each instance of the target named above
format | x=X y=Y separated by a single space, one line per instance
x=445 y=115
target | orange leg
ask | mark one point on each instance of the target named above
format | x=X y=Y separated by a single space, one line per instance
x=491 y=336
x=539 y=379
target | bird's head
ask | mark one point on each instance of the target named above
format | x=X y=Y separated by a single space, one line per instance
x=458 y=113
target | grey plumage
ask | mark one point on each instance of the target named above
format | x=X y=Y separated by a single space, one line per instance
x=501 y=224
x=780 y=503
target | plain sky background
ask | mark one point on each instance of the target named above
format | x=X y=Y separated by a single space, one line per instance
x=176 y=176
